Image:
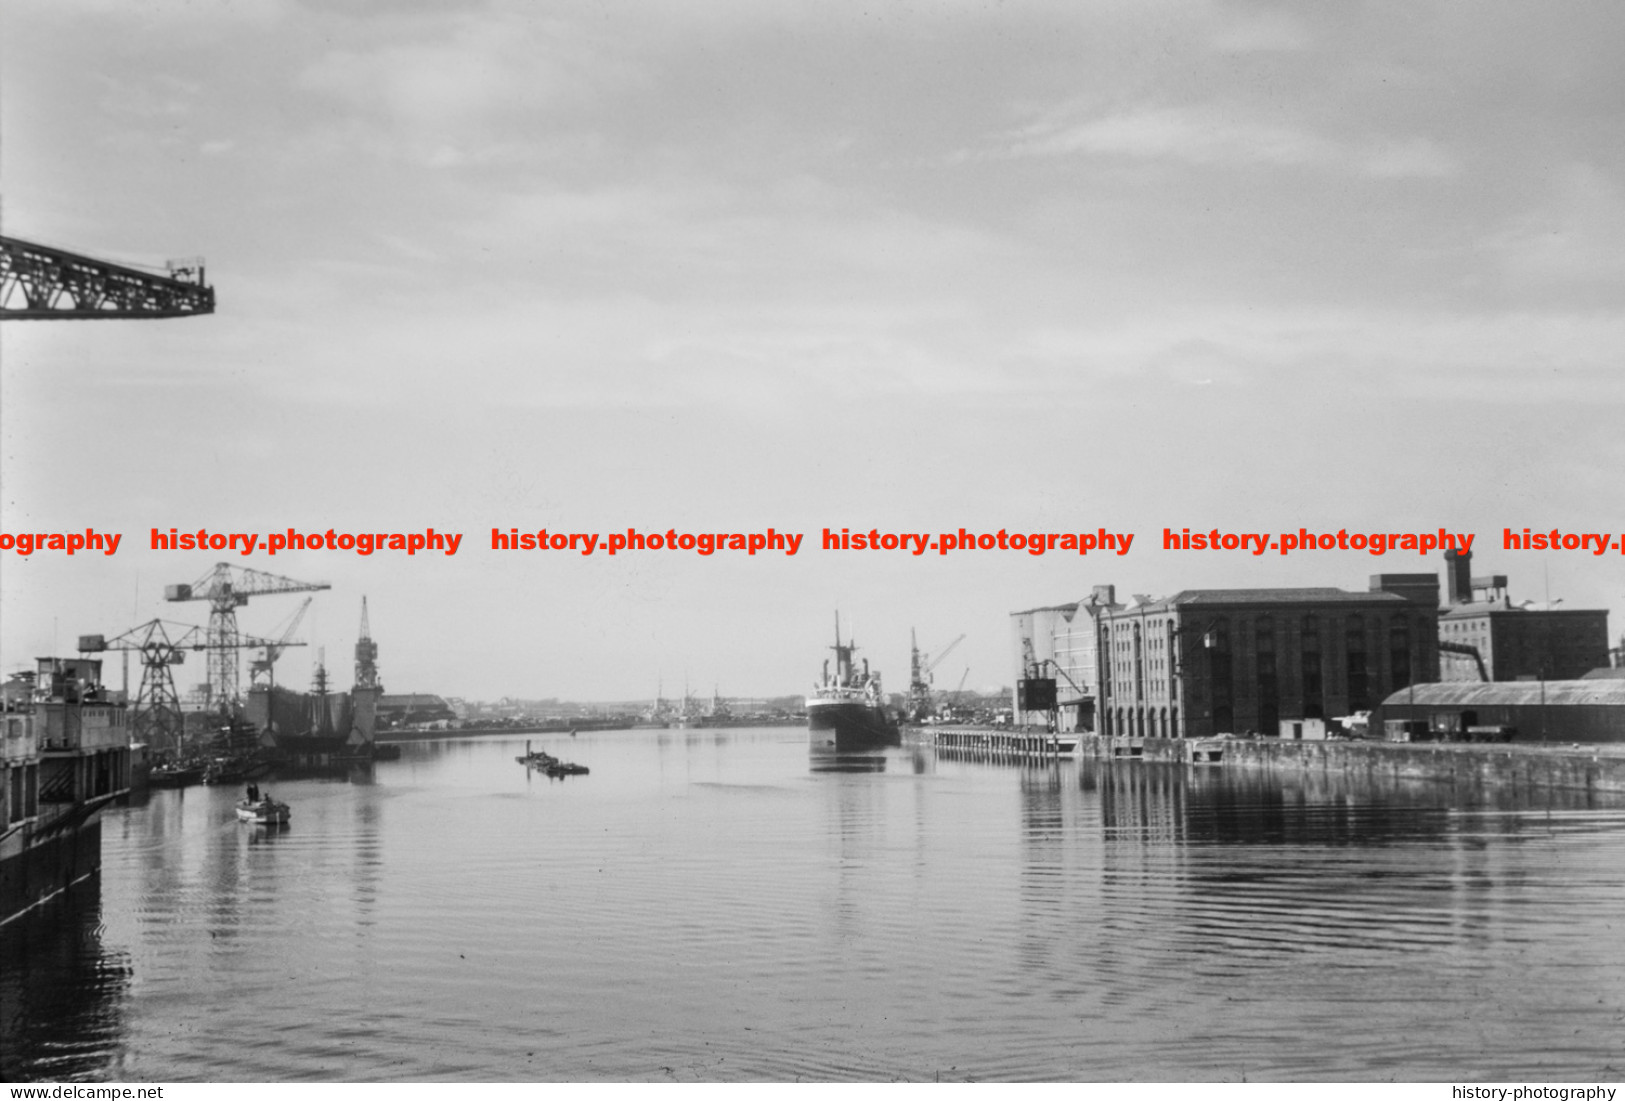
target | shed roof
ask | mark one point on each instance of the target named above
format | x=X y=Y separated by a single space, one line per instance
x=1498 y=609
x=1257 y=597
x=1512 y=693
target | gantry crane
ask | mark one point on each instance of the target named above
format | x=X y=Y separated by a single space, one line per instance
x=227 y=588
x=920 y=667
x=157 y=719
x=40 y=283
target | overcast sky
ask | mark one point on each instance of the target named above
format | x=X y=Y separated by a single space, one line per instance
x=721 y=266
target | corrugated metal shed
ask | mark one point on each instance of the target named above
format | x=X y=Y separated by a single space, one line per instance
x=1514 y=693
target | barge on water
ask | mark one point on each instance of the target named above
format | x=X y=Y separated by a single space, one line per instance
x=542 y=761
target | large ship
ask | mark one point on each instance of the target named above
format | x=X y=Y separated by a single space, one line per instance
x=65 y=756
x=846 y=712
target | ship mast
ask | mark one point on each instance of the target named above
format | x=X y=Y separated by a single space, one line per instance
x=843 y=656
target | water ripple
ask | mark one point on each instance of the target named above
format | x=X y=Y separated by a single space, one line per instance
x=712 y=908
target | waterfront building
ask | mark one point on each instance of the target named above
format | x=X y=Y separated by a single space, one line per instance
x=1585 y=710
x=1058 y=642
x=65 y=756
x=1257 y=661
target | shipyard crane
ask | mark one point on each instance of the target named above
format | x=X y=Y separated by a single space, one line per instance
x=954 y=699
x=920 y=669
x=227 y=588
x=265 y=664
x=41 y=283
x=156 y=716
x=366 y=655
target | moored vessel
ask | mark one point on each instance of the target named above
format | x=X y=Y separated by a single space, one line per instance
x=171 y=775
x=542 y=761
x=846 y=711
x=64 y=756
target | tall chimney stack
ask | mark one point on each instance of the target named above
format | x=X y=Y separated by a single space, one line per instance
x=1458 y=567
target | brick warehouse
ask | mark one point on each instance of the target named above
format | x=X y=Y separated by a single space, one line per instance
x=1215 y=661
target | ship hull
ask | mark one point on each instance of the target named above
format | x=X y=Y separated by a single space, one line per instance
x=36 y=869
x=850 y=727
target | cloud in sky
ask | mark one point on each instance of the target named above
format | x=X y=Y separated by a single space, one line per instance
x=780 y=263
x=1207 y=136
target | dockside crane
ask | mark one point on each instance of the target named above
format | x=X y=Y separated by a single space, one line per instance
x=953 y=701
x=920 y=679
x=42 y=283
x=227 y=587
x=156 y=718
x=264 y=666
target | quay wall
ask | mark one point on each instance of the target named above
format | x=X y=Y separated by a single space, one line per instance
x=1516 y=767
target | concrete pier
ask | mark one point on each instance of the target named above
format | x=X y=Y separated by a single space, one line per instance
x=1004 y=744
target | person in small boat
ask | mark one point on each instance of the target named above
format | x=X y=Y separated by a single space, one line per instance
x=253 y=793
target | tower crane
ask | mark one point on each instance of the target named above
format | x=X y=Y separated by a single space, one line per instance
x=157 y=719
x=920 y=680
x=41 y=283
x=227 y=588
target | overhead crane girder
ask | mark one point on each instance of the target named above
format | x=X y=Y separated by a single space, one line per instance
x=41 y=283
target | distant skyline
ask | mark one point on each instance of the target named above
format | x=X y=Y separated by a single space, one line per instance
x=727 y=266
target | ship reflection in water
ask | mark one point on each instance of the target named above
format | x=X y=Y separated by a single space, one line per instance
x=935 y=917
x=62 y=992
x=824 y=758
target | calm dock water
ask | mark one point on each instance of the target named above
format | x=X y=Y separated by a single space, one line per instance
x=716 y=905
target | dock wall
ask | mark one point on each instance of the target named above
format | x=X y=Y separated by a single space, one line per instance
x=1516 y=767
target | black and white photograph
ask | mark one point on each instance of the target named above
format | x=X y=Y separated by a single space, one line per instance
x=765 y=542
